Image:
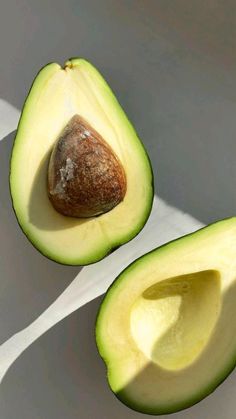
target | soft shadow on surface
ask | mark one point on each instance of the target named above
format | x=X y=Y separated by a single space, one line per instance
x=29 y=282
x=221 y=403
x=69 y=379
x=39 y=202
x=196 y=296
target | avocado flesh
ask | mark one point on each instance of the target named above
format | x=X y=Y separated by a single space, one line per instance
x=56 y=96
x=166 y=327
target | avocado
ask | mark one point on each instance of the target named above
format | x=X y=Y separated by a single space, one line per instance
x=80 y=179
x=166 y=327
x=85 y=177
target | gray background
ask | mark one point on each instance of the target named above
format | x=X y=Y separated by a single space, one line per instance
x=172 y=65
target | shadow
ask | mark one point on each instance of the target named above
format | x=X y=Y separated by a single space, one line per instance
x=195 y=296
x=41 y=212
x=221 y=403
x=29 y=281
x=181 y=99
x=73 y=383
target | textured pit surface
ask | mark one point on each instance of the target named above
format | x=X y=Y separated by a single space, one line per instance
x=56 y=96
x=85 y=178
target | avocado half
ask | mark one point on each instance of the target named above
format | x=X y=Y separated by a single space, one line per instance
x=166 y=328
x=56 y=95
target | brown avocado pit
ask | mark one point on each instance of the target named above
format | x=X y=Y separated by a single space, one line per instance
x=85 y=177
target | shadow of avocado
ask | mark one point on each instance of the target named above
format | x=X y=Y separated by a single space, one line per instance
x=29 y=282
x=41 y=212
x=73 y=383
x=192 y=291
x=221 y=403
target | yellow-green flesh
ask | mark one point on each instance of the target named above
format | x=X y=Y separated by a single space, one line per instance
x=56 y=95
x=167 y=326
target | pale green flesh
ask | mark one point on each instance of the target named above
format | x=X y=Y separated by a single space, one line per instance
x=166 y=320
x=56 y=95
x=167 y=326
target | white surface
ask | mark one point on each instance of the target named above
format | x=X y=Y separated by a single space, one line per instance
x=9 y=118
x=165 y=223
x=23 y=266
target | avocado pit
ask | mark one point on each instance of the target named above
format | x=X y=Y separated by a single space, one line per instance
x=85 y=177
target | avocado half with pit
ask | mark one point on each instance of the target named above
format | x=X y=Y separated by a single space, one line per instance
x=166 y=328
x=81 y=181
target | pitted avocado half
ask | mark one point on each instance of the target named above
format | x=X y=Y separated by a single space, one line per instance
x=166 y=328
x=97 y=191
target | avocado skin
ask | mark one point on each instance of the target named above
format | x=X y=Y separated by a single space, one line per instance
x=39 y=248
x=113 y=249
x=121 y=395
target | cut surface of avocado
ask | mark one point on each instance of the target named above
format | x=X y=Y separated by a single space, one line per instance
x=167 y=325
x=56 y=96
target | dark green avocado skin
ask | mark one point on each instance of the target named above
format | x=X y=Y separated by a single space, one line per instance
x=172 y=408
x=112 y=249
